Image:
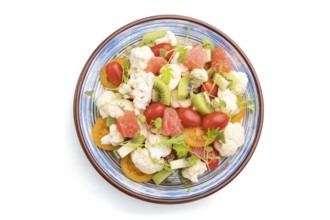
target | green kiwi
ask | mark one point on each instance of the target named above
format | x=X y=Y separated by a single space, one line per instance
x=184 y=88
x=148 y=39
x=232 y=79
x=161 y=92
x=159 y=177
x=207 y=44
x=202 y=103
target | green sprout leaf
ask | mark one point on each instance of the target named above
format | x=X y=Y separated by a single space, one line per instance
x=192 y=160
x=163 y=52
x=110 y=121
x=181 y=149
x=208 y=149
x=185 y=181
x=158 y=122
x=177 y=139
x=221 y=137
x=182 y=54
x=166 y=74
x=142 y=118
x=118 y=96
x=251 y=107
x=207 y=44
x=89 y=93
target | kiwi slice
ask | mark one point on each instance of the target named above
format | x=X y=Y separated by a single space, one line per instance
x=207 y=44
x=221 y=81
x=184 y=88
x=161 y=92
x=148 y=39
x=202 y=103
x=232 y=79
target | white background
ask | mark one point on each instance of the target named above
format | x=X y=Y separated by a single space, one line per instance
x=44 y=172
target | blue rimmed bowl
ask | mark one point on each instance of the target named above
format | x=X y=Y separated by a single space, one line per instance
x=107 y=165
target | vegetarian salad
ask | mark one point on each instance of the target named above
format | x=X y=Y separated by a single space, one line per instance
x=170 y=107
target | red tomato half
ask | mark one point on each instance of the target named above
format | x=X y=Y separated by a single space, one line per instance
x=211 y=88
x=153 y=111
x=166 y=46
x=189 y=118
x=215 y=120
x=200 y=152
x=114 y=73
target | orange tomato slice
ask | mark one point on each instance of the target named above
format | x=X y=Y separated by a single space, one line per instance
x=99 y=130
x=103 y=76
x=132 y=172
x=195 y=137
x=238 y=117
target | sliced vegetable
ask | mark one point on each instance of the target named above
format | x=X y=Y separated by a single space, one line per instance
x=132 y=172
x=99 y=130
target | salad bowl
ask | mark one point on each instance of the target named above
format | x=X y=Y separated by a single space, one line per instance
x=106 y=162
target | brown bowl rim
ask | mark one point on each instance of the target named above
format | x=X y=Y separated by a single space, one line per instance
x=96 y=165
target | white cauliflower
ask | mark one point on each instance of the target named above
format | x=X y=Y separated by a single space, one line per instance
x=242 y=81
x=110 y=106
x=230 y=99
x=183 y=68
x=141 y=84
x=177 y=103
x=142 y=160
x=194 y=171
x=143 y=129
x=176 y=76
x=168 y=38
x=157 y=150
x=125 y=90
x=114 y=137
x=234 y=136
x=140 y=56
x=199 y=74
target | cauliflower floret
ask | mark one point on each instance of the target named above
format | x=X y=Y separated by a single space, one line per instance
x=194 y=171
x=230 y=99
x=141 y=85
x=177 y=103
x=114 y=137
x=168 y=38
x=234 y=135
x=143 y=129
x=125 y=90
x=142 y=160
x=110 y=106
x=199 y=74
x=140 y=56
x=183 y=68
x=157 y=150
x=242 y=81
x=176 y=72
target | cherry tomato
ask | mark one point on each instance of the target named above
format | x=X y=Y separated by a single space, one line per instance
x=211 y=88
x=215 y=120
x=210 y=156
x=213 y=162
x=154 y=111
x=166 y=46
x=114 y=73
x=189 y=118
